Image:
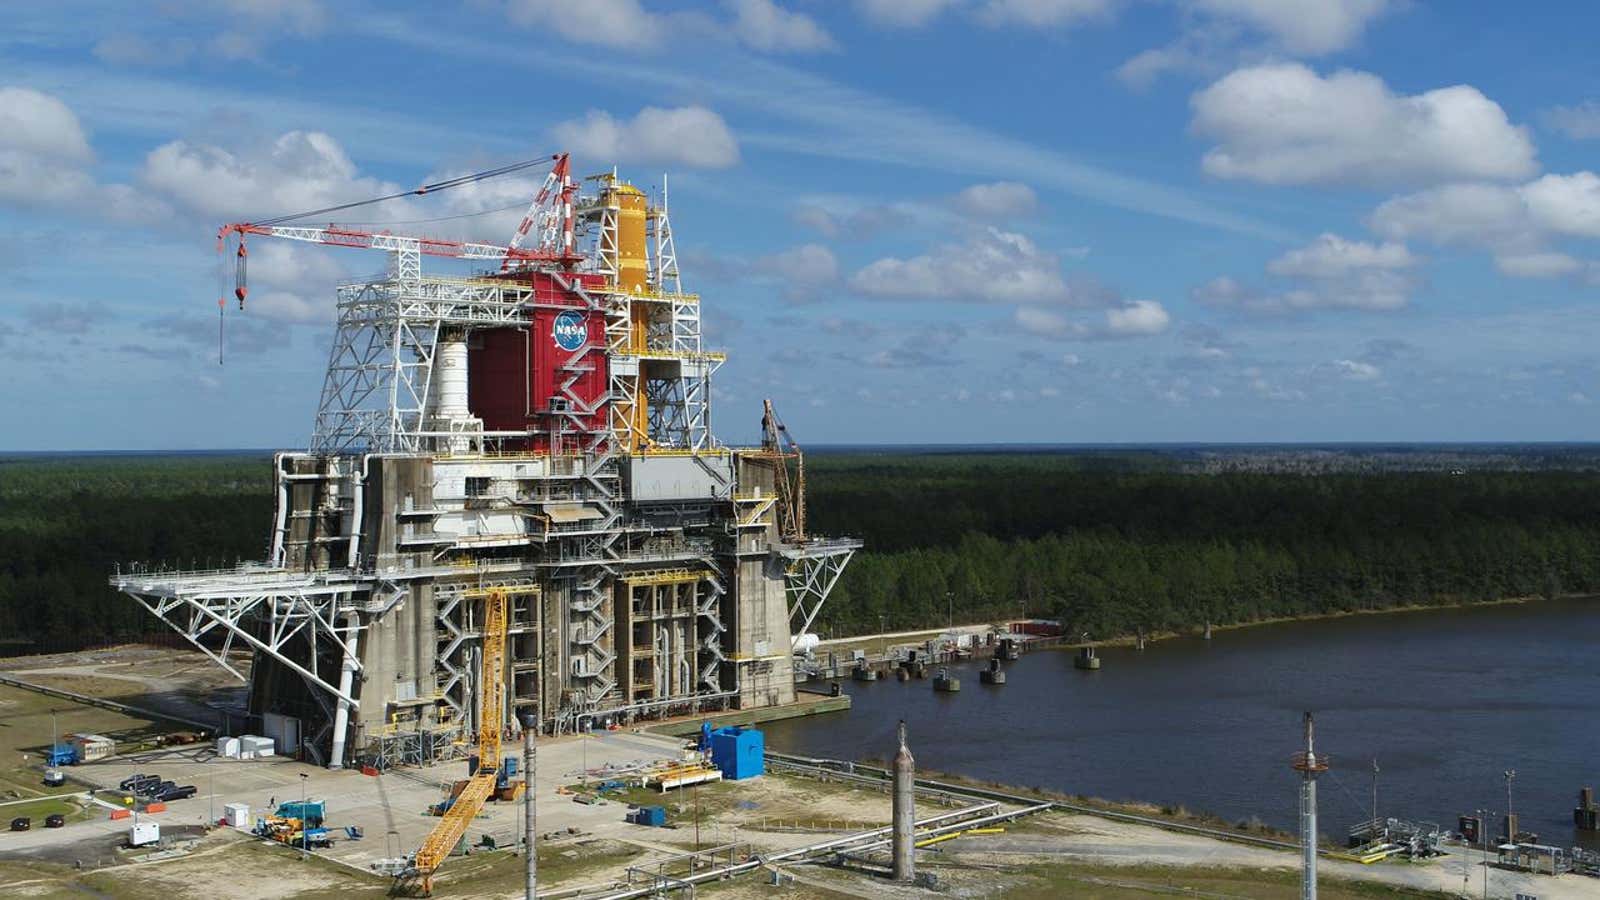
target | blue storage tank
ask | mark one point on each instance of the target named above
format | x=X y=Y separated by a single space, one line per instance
x=739 y=753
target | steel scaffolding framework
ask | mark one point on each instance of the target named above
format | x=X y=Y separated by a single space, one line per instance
x=378 y=400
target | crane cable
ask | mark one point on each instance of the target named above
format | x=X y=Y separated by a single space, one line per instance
x=432 y=188
x=435 y=187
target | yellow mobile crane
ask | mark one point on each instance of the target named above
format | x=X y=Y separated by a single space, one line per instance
x=491 y=693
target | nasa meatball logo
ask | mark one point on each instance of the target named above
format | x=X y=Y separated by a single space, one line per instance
x=570 y=331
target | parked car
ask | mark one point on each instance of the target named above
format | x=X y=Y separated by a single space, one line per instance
x=176 y=793
x=55 y=820
x=137 y=782
x=21 y=823
x=154 y=788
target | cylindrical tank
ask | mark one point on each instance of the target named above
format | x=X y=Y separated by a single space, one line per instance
x=633 y=263
x=905 y=810
x=450 y=378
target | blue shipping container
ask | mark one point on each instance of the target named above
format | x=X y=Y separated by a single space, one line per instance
x=738 y=753
x=653 y=816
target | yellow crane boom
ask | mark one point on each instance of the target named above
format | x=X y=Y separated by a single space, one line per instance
x=491 y=695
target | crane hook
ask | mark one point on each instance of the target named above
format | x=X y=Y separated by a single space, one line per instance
x=239 y=288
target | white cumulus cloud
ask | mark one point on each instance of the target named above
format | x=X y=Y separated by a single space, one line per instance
x=764 y=25
x=1356 y=370
x=992 y=266
x=1283 y=123
x=610 y=23
x=300 y=170
x=1217 y=34
x=807 y=264
x=1331 y=272
x=46 y=161
x=997 y=200
x=687 y=135
x=1130 y=319
x=1139 y=317
x=1331 y=256
x=39 y=124
x=1581 y=122
x=1311 y=27
x=1518 y=224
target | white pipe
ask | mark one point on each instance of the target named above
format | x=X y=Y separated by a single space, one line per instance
x=347 y=673
x=356 y=511
x=280 y=524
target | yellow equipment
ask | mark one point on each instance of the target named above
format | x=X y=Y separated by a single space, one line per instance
x=778 y=445
x=491 y=693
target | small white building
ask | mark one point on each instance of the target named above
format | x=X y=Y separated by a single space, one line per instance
x=228 y=747
x=93 y=746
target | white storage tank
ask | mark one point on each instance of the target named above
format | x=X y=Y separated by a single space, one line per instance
x=237 y=815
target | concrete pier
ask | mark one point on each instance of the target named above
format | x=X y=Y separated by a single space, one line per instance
x=905 y=811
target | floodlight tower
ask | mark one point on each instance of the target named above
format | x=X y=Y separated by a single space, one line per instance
x=1309 y=765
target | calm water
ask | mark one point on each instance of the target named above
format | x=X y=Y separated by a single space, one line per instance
x=1446 y=701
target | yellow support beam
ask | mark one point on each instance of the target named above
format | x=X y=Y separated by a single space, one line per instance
x=443 y=838
x=664 y=576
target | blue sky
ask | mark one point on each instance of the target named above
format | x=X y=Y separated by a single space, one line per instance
x=910 y=220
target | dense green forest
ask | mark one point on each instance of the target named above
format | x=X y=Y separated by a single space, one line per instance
x=1112 y=545
x=1108 y=542
x=66 y=522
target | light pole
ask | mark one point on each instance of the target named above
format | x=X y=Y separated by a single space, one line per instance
x=1510 y=819
x=529 y=810
x=1375 y=798
x=304 y=852
x=1483 y=847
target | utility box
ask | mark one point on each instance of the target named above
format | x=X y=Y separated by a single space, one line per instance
x=738 y=752
x=237 y=815
x=143 y=834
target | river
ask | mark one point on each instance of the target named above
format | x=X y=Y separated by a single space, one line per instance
x=1444 y=700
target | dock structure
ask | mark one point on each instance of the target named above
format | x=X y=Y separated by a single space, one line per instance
x=544 y=427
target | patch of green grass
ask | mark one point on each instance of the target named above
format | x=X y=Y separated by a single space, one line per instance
x=70 y=807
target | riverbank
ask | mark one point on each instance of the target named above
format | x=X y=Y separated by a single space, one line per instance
x=881 y=642
x=1211 y=725
x=1128 y=640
